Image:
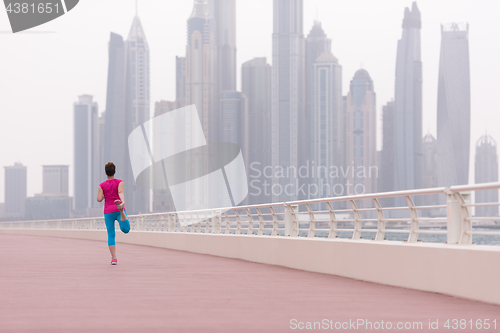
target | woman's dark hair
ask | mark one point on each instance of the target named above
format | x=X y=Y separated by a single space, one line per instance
x=110 y=169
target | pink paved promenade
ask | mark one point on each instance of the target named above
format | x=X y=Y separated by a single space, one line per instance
x=65 y=285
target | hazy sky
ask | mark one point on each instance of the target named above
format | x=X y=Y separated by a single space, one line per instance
x=41 y=74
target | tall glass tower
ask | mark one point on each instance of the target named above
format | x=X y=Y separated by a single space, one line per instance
x=408 y=105
x=327 y=123
x=127 y=106
x=87 y=173
x=201 y=68
x=453 y=109
x=361 y=134
x=289 y=132
x=256 y=85
x=224 y=13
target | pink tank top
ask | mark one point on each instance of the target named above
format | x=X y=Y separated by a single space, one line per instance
x=110 y=190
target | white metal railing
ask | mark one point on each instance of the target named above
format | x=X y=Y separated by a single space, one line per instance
x=326 y=217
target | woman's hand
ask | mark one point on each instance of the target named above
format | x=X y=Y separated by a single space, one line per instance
x=119 y=204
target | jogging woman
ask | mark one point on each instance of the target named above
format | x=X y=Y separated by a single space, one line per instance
x=114 y=207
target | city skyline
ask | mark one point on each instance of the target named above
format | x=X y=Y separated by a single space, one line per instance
x=240 y=58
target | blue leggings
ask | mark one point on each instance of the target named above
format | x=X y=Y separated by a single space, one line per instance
x=110 y=218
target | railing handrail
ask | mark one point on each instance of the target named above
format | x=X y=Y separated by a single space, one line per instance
x=436 y=190
x=458 y=218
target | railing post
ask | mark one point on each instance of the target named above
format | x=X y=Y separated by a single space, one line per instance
x=380 y=220
x=170 y=223
x=413 y=237
x=275 y=222
x=250 y=222
x=457 y=223
x=238 y=223
x=291 y=228
x=216 y=221
x=312 y=222
x=357 y=223
x=333 y=221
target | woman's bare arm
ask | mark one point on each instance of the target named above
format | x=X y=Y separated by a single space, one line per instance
x=100 y=194
x=121 y=195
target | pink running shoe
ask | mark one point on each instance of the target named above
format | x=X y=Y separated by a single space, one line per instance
x=114 y=261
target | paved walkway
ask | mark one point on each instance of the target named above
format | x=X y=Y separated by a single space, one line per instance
x=65 y=285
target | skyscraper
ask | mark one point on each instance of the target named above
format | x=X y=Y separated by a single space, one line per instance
x=234 y=120
x=453 y=111
x=127 y=106
x=234 y=114
x=15 y=190
x=430 y=176
x=386 y=180
x=289 y=126
x=256 y=85
x=101 y=123
x=138 y=103
x=430 y=163
x=224 y=14
x=86 y=154
x=201 y=68
x=408 y=105
x=180 y=81
x=316 y=44
x=361 y=134
x=486 y=171
x=327 y=125
x=117 y=119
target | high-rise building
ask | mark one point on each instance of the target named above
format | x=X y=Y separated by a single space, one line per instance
x=486 y=171
x=430 y=163
x=386 y=180
x=234 y=114
x=256 y=85
x=430 y=176
x=408 y=105
x=55 y=180
x=224 y=14
x=317 y=43
x=453 y=113
x=86 y=154
x=234 y=120
x=101 y=123
x=361 y=134
x=138 y=77
x=117 y=119
x=201 y=68
x=127 y=106
x=327 y=128
x=180 y=81
x=15 y=190
x=289 y=126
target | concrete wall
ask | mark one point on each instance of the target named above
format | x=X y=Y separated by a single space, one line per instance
x=468 y=271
